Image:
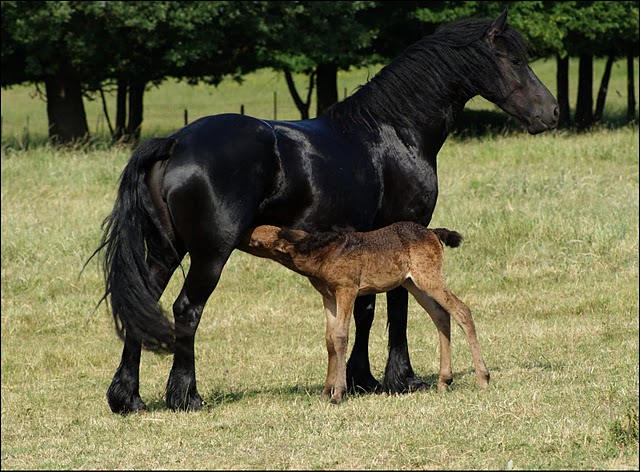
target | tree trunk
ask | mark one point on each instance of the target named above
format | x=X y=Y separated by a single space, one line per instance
x=105 y=110
x=121 y=109
x=136 y=93
x=65 y=108
x=303 y=107
x=631 y=90
x=602 y=91
x=562 y=79
x=584 y=107
x=327 y=80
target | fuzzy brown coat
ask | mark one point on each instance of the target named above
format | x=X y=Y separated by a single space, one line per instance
x=342 y=266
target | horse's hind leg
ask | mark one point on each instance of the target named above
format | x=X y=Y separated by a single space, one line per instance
x=123 y=394
x=203 y=276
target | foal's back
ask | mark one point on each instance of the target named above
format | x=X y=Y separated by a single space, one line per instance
x=381 y=260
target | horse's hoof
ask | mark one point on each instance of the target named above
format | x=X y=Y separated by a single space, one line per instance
x=192 y=402
x=404 y=385
x=415 y=384
x=132 y=404
x=335 y=400
x=121 y=399
x=364 y=384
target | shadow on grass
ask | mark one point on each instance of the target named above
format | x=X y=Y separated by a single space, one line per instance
x=218 y=398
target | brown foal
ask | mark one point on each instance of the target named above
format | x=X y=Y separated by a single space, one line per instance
x=343 y=265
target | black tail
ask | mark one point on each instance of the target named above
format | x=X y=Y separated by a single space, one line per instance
x=129 y=232
x=450 y=238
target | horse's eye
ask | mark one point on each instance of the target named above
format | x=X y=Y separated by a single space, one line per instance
x=515 y=61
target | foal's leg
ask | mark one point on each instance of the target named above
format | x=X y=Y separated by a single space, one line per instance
x=123 y=394
x=359 y=375
x=442 y=320
x=202 y=279
x=462 y=315
x=339 y=334
x=330 y=314
x=399 y=376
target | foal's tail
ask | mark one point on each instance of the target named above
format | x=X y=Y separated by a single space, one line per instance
x=448 y=237
x=129 y=233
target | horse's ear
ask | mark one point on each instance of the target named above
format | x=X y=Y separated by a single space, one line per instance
x=497 y=26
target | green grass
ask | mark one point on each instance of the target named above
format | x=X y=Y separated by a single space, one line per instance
x=549 y=268
x=24 y=115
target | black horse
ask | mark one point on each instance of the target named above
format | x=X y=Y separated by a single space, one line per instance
x=367 y=162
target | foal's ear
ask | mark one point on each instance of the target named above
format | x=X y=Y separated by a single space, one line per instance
x=281 y=246
x=497 y=26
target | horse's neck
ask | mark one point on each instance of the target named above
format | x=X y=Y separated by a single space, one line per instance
x=420 y=142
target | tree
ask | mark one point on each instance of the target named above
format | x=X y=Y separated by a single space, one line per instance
x=316 y=38
x=129 y=45
x=192 y=41
x=596 y=29
x=40 y=44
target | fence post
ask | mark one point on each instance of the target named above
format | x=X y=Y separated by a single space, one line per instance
x=26 y=137
x=275 y=105
x=242 y=109
x=186 y=117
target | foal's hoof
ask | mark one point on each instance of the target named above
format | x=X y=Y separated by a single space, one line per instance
x=483 y=381
x=444 y=384
x=443 y=387
x=335 y=400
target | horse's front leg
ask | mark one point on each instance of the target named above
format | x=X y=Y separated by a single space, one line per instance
x=359 y=375
x=123 y=395
x=399 y=376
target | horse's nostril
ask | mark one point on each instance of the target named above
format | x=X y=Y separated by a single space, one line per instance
x=556 y=113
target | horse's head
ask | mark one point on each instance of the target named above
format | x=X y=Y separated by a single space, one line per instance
x=519 y=92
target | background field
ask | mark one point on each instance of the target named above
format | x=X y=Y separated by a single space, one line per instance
x=549 y=269
x=24 y=114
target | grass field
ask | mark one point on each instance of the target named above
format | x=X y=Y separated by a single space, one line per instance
x=549 y=268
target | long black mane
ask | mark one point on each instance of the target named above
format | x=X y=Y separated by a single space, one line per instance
x=429 y=79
